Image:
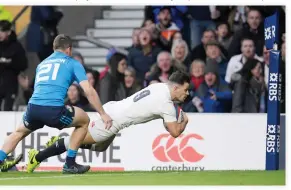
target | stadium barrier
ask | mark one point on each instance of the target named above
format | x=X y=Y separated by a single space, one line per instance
x=210 y=142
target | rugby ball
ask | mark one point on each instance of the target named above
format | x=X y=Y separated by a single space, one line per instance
x=179 y=113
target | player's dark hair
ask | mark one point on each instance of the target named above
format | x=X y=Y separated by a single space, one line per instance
x=62 y=42
x=180 y=77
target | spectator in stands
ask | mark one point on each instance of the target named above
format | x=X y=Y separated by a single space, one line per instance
x=5 y=15
x=134 y=38
x=93 y=78
x=248 y=88
x=165 y=28
x=176 y=13
x=200 y=20
x=213 y=94
x=237 y=18
x=180 y=53
x=197 y=73
x=76 y=98
x=93 y=75
x=143 y=57
x=165 y=22
x=214 y=55
x=197 y=78
x=131 y=84
x=12 y=61
x=78 y=56
x=113 y=79
x=176 y=36
x=110 y=53
x=254 y=30
x=224 y=36
x=42 y=30
x=236 y=62
x=147 y=23
x=199 y=51
x=162 y=70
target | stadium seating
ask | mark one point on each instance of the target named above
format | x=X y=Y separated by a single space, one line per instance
x=115 y=28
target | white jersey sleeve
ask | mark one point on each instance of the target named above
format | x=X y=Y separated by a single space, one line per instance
x=168 y=112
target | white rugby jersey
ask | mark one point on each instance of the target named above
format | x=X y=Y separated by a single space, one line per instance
x=153 y=102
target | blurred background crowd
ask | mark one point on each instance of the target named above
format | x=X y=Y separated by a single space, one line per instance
x=221 y=47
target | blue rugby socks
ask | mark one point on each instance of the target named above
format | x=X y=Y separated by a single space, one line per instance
x=3 y=156
x=71 y=156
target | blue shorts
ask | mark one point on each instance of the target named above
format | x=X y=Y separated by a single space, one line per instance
x=37 y=116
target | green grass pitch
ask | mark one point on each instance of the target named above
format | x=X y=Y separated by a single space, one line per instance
x=146 y=178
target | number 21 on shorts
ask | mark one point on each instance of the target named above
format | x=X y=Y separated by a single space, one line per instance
x=44 y=72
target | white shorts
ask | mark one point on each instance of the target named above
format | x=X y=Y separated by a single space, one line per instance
x=99 y=133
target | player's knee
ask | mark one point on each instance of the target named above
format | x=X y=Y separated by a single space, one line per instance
x=86 y=121
x=18 y=135
x=21 y=132
x=83 y=118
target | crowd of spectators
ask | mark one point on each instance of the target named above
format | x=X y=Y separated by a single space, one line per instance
x=222 y=48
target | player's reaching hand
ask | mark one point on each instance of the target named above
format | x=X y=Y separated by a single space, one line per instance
x=94 y=100
x=107 y=120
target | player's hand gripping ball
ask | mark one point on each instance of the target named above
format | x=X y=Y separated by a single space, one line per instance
x=179 y=114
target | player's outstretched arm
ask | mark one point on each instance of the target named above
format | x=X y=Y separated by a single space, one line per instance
x=91 y=94
x=94 y=100
x=176 y=129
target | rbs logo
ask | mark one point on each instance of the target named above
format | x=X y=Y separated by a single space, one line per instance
x=270 y=32
x=271 y=138
x=273 y=87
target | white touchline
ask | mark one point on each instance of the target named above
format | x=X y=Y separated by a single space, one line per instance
x=84 y=175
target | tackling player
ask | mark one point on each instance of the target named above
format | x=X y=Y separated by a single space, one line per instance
x=54 y=75
x=153 y=102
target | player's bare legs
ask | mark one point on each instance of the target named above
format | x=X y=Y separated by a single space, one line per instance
x=14 y=138
x=10 y=144
x=80 y=122
x=61 y=145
